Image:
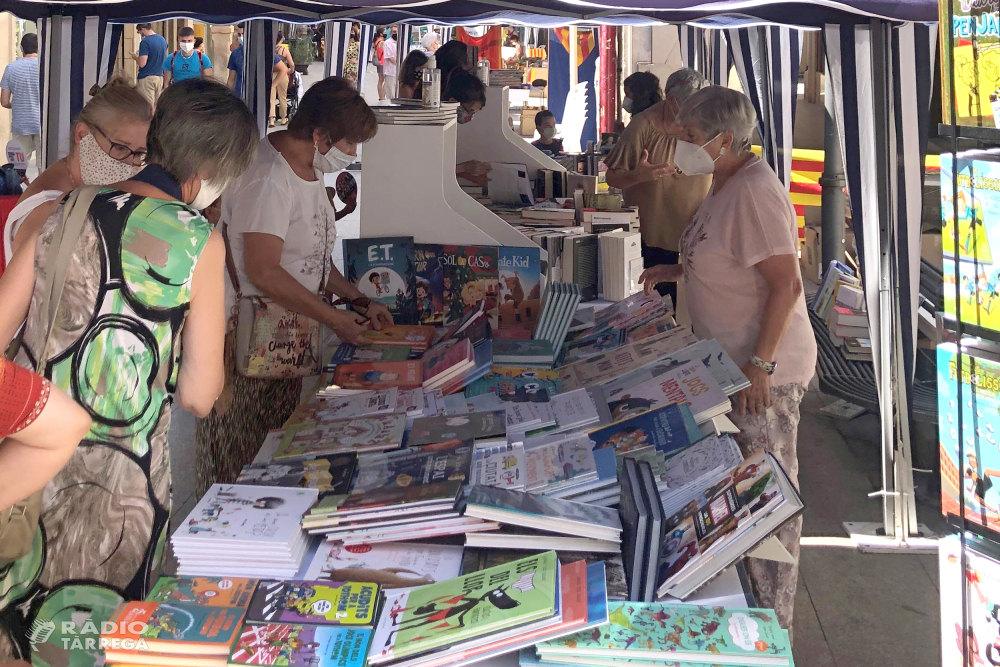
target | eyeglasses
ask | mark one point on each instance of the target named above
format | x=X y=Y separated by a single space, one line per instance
x=121 y=152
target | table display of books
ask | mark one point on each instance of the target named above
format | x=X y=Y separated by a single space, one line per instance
x=441 y=508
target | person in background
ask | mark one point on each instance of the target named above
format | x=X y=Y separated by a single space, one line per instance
x=515 y=41
x=235 y=65
x=469 y=92
x=639 y=166
x=390 y=66
x=430 y=42
x=353 y=54
x=150 y=56
x=378 y=47
x=199 y=45
x=739 y=261
x=107 y=145
x=545 y=123
x=453 y=55
x=19 y=93
x=282 y=51
x=279 y=91
x=281 y=229
x=186 y=63
x=642 y=90
x=141 y=323
x=411 y=83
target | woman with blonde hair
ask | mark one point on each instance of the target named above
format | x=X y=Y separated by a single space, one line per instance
x=107 y=145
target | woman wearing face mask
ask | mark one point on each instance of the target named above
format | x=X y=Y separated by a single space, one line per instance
x=144 y=282
x=741 y=274
x=642 y=90
x=411 y=84
x=545 y=123
x=282 y=232
x=108 y=145
x=470 y=94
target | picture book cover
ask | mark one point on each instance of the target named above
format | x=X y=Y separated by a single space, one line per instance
x=519 y=502
x=347 y=353
x=520 y=287
x=446 y=359
x=203 y=591
x=552 y=465
x=320 y=409
x=379 y=375
x=301 y=645
x=253 y=514
x=447 y=461
x=471 y=278
x=501 y=466
x=711 y=455
x=314 y=602
x=363 y=433
x=690 y=383
x=402 y=335
x=982 y=597
x=653 y=631
x=666 y=428
x=330 y=475
x=383 y=269
x=720 y=365
x=430 y=282
x=518 y=384
x=390 y=565
x=445 y=492
x=973 y=462
x=471 y=427
x=607 y=366
x=177 y=627
x=467 y=607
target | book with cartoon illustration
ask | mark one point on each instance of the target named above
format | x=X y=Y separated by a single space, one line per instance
x=347 y=353
x=550 y=466
x=690 y=383
x=364 y=433
x=330 y=475
x=320 y=409
x=666 y=428
x=607 y=366
x=203 y=591
x=520 y=288
x=379 y=375
x=720 y=365
x=391 y=565
x=479 y=427
x=175 y=627
x=314 y=602
x=430 y=282
x=417 y=338
x=239 y=513
x=501 y=466
x=290 y=645
x=467 y=607
x=527 y=510
x=516 y=383
x=448 y=461
x=383 y=269
x=654 y=631
x=470 y=278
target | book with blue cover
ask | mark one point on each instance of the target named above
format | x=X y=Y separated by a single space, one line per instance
x=383 y=269
x=516 y=383
x=667 y=428
x=430 y=282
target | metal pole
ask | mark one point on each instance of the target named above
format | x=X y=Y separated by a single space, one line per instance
x=833 y=181
x=574 y=49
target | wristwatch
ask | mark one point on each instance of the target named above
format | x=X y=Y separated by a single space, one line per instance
x=767 y=367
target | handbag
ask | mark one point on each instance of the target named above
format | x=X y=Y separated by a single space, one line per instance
x=267 y=340
x=19 y=522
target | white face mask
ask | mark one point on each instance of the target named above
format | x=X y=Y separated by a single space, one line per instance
x=547 y=132
x=627 y=104
x=210 y=191
x=187 y=47
x=694 y=160
x=99 y=168
x=333 y=161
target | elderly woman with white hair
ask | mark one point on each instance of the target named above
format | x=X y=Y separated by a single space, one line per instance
x=744 y=288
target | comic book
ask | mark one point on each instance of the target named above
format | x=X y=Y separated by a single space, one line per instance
x=364 y=433
x=472 y=277
x=520 y=288
x=203 y=591
x=383 y=269
x=430 y=283
x=314 y=602
x=300 y=645
x=467 y=607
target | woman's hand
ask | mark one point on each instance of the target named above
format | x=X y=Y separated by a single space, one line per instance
x=348 y=325
x=645 y=171
x=661 y=273
x=379 y=314
x=757 y=397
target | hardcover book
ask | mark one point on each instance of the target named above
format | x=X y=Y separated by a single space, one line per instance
x=666 y=428
x=520 y=288
x=300 y=645
x=412 y=467
x=446 y=360
x=516 y=383
x=472 y=278
x=319 y=409
x=250 y=515
x=329 y=475
x=542 y=513
x=417 y=338
x=689 y=383
x=605 y=367
x=383 y=269
x=203 y=591
x=552 y=465
x=390 y=565
x=474 y=426
x=379 y=375
x=501 y=466
x=347 y=353
x=512 y=351
x=176 y=628
x=314 y=602
x=365 y=433
x=430 y=283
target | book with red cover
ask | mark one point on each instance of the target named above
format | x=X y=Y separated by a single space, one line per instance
x=379 y=375
x=447 y=360
x=847 y=317
x=417 y=338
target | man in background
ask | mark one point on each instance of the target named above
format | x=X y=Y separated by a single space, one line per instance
x=149 y=58
x=19 y=93
x=186 y=63
x=390 y=67
x=235 y=66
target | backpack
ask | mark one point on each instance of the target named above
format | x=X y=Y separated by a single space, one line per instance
x=201 y=62
x=10 y=181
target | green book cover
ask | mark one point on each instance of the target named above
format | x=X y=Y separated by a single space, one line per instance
x=467 y=607
x=650 y=631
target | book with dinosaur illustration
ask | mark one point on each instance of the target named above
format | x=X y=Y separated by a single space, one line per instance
x=175 y=628
x=203 y=591
x=428 y=259
x=290 y=645
x=314 y=602
x=520 y=288
x=470 y=278
x=467 y=607
x=364 y=433
x=653 y=631
x=383 y=269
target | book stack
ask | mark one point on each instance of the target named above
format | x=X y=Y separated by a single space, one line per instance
x=632 y=319
x=550 y=214
x=847 y=324
x=840 y=287
x=643 y=519
x=572 y=255
x=241 y=530
x=507 y=77
x=857 y=349
x=597 y=221
x=561 y=300
x=347 y=353
x=621 y=264
x=413 y=114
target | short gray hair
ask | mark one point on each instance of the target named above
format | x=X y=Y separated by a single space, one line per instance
x=716 y=110
x=684 y=83
x=201 y=126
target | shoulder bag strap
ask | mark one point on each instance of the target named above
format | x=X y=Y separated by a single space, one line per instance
x=231 y=262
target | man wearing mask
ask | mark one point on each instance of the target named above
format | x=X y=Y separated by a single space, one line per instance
x=235 y=81
x=389 y=67
x=545 y=123
x=186 y=63
x=641 y=165
x=152 y=51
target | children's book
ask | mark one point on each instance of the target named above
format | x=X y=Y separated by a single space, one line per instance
x=176 y=628
x=466 y=608
x=447 y=360
x=448 y=461
x=390 y=565
x=524 y=352
x=251 y=515
x=501 y=466
x=690 y=383
x=982 y=591
x=379 y=375
x=319 y=409
x=472 y=278
x=719 y=364
x=347 y=353
x=702 y=461
x=365 y=433
x=666 y=428
x=520 y=288
x=383 y=269
x=479 y=427
x=417 y=338
x=203 y=591
x=290 y=645
x=363 y=505
x=552 y=465
x=528 y=510
x=314 y=602
x=330 y=475
x=605 y=367
x=516 y=383
x=430 y=283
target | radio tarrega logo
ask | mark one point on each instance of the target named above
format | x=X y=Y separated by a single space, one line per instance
x=91 y=636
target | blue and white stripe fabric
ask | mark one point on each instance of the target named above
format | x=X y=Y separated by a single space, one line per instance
x=21 y=79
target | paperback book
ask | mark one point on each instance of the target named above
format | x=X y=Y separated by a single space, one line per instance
x=417 y=338
x=383 y=269
x=981 y=581
x=319 y=409
x=516 y=383
x=551 y=465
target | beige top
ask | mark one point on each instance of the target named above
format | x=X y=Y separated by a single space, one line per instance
x=749 y=220
x=666 y=205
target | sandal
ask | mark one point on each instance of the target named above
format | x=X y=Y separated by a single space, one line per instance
x=270 y=123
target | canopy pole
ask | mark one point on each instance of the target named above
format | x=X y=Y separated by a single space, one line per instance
x=833 y=182
x=574 y=49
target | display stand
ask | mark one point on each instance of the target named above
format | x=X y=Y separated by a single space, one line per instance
x=489 y=137
x=418 y=194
